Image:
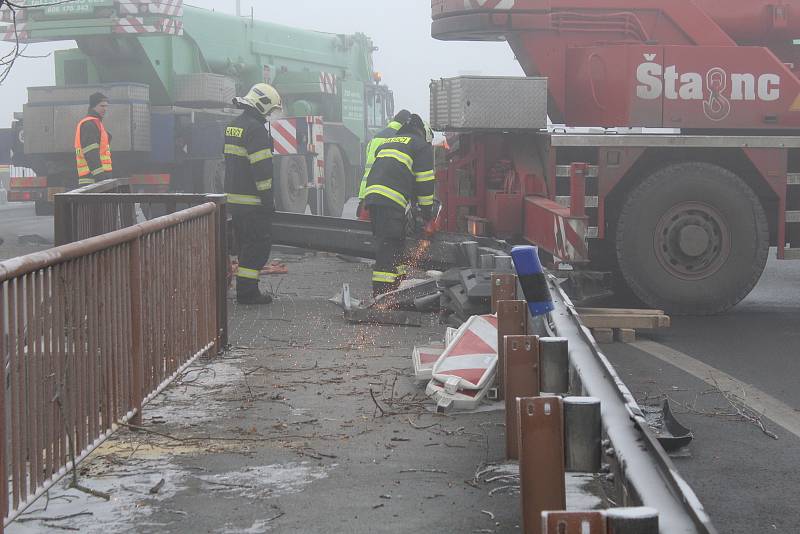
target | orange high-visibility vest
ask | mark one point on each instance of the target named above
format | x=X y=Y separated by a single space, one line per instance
x=105 y=151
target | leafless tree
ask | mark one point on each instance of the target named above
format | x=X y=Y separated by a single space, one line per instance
x=17 y=50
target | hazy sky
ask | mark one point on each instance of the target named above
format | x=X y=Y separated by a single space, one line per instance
x=407 y=57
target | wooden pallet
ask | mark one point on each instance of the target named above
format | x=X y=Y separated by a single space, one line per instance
x=610 y=324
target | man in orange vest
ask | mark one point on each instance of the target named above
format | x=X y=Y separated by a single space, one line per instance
x=93 y=143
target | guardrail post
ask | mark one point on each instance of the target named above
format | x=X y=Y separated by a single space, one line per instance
x=511 y=321
x=137 y=357
x=554 y=358
x=583 y=433
x=521 y=380
x=504 y=287
x=541 y=459
x=574 y=523
x=638 y=520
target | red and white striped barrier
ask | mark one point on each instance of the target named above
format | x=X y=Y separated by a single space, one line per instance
x=170 y=8
x=465 y=371
x=316 y=145
x=489 y=4
x=424 y=359
x=9 y=34
x=284 y=136
x=136 y=25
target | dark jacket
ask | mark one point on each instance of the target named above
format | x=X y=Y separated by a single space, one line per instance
x=248 y=161
x=402 y=173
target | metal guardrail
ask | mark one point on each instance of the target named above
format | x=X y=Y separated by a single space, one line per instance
x=109 y=205
x=91 y=331
x=643 y=474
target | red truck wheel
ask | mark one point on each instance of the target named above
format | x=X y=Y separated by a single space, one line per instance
x=692 y=239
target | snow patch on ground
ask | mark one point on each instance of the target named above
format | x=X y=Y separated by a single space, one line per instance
x=132 y=503
x=258 y=482
x=197 y=382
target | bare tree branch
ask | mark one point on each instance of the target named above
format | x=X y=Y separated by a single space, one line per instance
x=17 y=50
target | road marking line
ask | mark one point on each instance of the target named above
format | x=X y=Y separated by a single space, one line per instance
x=782 y=414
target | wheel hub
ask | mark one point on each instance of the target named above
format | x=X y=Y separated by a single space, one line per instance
x=692 y=241
x=297 y=183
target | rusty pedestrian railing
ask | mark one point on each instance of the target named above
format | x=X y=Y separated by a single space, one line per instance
x=110 y=205
x=91 y=331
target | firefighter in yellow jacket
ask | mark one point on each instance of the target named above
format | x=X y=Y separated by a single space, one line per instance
x=93 y=143
x=248 y=184
x=402 y=174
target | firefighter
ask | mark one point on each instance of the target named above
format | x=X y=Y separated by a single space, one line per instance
x=402 y=174
x=395 y=124
x=248 y=184
x=93 y=143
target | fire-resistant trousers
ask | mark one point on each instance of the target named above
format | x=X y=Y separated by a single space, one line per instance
x=252 y=229
x=389 y=231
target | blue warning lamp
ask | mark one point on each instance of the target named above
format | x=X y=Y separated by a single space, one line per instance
x=532 y=279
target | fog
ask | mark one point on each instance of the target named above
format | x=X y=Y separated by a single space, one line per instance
x=407 y=56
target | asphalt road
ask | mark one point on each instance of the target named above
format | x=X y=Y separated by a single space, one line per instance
x=19 y=220
x=747 y=480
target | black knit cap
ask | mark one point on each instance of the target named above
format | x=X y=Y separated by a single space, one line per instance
x=96 y=98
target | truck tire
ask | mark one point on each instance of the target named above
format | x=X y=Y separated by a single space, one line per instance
x=692 y=239
x=213 y=176
x=335 y=189
x=291 y=187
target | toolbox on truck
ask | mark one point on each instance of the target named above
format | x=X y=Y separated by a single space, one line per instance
x=204 y=90
x=488 y=103
x=52 y=113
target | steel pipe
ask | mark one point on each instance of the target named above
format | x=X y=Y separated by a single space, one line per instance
x=639 y=520
x=554 y=356
x=583 y=432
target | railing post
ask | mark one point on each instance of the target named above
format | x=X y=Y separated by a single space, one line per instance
x=62 y=221
x=3 y=448
x=222 y=274
x=137 y=357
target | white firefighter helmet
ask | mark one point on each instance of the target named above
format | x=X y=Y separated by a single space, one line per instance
x=263 y=97
x=428 y=132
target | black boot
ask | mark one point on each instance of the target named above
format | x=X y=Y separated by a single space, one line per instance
x=254 y=299
x=247 y=292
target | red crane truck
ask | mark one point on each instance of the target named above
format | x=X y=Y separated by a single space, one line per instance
x=687 y=215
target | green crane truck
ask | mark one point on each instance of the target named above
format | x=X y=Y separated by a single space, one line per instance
x=171 y=71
